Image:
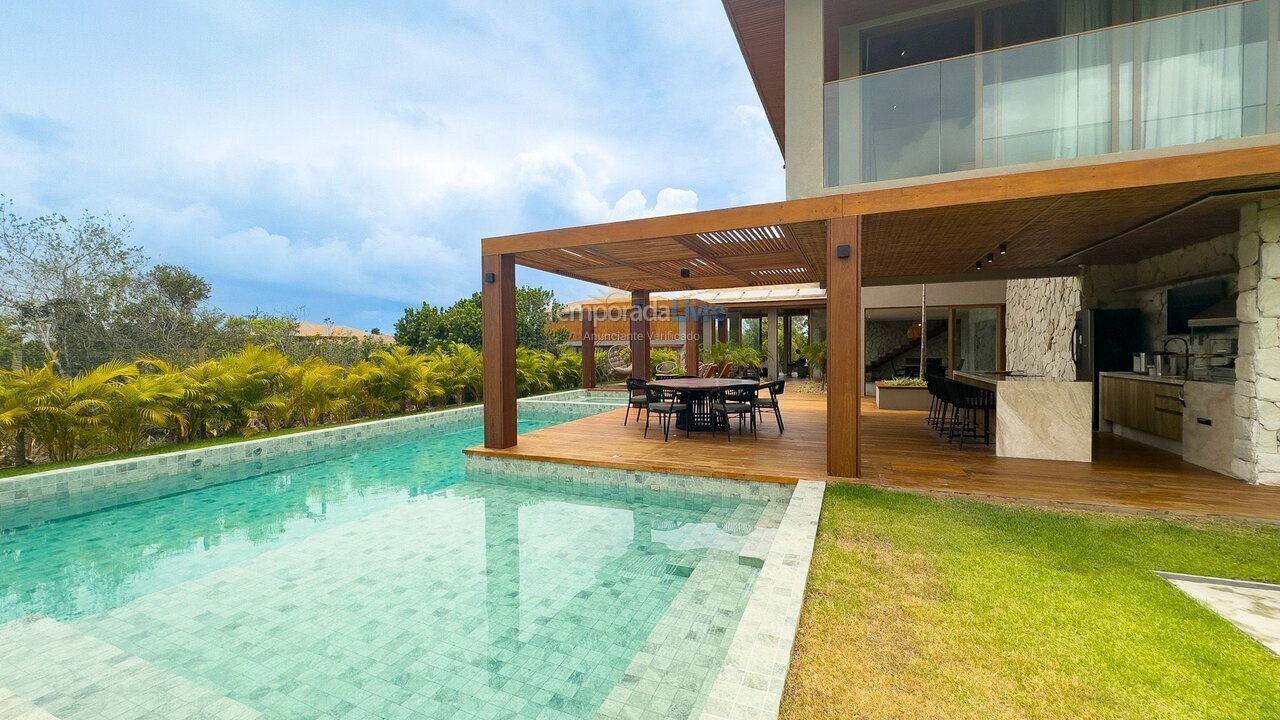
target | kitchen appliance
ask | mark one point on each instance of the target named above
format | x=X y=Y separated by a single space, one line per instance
x=1220 y=314
x=1140 y=363
x=1186 y=302
x=1105 y=341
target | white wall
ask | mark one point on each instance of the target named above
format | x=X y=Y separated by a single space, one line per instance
x=803 y=97
x=987 y=292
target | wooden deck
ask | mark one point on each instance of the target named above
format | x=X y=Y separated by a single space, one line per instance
x=899 y=451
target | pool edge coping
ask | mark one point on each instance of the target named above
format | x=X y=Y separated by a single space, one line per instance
x=21 y=490
x=755 y=668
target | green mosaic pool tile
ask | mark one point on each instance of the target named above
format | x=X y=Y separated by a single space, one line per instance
x=387 y=585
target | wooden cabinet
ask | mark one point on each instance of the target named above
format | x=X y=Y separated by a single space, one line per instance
x=1152 y=407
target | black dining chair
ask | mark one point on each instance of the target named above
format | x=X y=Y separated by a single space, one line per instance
x=636 y=398
x=736 y=401
x=663 y=402
x=770 y=403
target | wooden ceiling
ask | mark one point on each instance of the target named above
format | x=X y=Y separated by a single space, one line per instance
x=1097 y=228
x=1050 y=220
x=758 y=26
x=760 y=255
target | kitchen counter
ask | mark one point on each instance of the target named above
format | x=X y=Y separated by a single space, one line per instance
x=988 y=380
x=1144 y=378
x=1039 y=417
x=1167 y=380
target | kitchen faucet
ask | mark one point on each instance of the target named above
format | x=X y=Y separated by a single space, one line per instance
x=1186 y=351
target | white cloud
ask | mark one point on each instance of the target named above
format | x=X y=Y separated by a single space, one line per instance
x=386 y=265
x=364 y=150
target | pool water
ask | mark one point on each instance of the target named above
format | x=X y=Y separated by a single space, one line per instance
x=383 y=583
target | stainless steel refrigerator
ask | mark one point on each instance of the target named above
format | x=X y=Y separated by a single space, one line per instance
x=1105 y=341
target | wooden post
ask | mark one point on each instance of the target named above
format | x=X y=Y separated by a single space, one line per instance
x=844 y=345
x=498 y=298
x=640 y=334
x=692 y=340
x=588 y=347
x=772 y=346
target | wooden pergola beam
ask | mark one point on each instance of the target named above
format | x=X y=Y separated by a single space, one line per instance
x=640 y=334
x=498 y=305
x=588 y=348
x=844 y=346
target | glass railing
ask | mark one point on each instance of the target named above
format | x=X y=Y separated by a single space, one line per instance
x=1183 y=79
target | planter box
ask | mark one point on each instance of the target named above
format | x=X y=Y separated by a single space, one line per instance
x=898 y=397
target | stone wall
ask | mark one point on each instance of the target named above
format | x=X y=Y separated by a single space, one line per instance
x=883 y=336
x=1257 y=401
x=1217 y=255
x=1040 y=315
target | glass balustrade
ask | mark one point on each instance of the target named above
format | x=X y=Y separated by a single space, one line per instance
x=1184 y=79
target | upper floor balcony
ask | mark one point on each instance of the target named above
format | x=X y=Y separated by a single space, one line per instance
x=1182 y=79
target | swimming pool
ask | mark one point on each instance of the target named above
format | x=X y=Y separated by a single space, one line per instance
x=379 y=580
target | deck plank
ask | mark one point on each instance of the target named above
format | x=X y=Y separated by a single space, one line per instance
x=899 y=451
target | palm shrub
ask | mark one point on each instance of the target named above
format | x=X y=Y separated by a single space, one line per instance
x=317 y=392
x=20 y=390
x=63 y=418
x=533 y=371
x=364 y=398
x=250 y=388
x=602 y=368
x=744 y=357
x=815 y=354
x=134 y=410
x=399 y=377
x=718 y=353
x=567 y=369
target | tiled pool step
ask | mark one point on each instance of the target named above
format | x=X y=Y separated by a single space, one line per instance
x=15 y=706
x=54 y=669
x=669 y=675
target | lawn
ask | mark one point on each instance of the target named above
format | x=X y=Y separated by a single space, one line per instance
x=935 y=608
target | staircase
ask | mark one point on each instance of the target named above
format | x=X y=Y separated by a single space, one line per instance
x=908 y=346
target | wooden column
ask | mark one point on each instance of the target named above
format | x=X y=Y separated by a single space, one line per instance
x=588 y=348
x=498 y=298
x=692 y=341
x=640 y=334
x=844 y=345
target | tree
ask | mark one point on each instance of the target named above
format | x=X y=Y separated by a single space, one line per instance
x=430 y=328
x=61 y=282
x=167 y=315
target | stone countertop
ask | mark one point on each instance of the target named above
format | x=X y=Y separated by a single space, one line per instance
x=1144 y=378
x=991 y=378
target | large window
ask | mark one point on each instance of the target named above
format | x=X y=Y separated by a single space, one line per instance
x=1049 y=84
x=914 y=39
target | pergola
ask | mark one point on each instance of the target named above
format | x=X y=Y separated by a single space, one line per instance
x=1048 y=222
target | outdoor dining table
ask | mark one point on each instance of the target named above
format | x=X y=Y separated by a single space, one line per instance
x=697 y=393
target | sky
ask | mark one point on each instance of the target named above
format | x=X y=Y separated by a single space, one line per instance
x=343 y=160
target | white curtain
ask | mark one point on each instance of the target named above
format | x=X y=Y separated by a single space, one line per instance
x=1051 y=100
x=1192 y=74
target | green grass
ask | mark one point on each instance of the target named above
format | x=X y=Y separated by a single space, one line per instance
x=166 y=447
x=936 y=608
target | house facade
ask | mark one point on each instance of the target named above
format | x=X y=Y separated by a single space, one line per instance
x=1089 y=154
